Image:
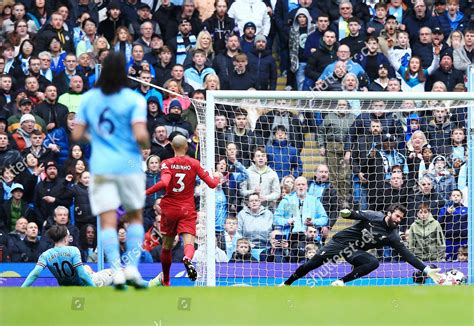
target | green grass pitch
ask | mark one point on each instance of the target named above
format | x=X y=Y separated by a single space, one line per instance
x=409 y=305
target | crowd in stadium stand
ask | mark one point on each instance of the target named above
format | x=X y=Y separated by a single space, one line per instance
x=265 y=209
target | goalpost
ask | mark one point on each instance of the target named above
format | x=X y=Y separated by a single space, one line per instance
x=302 y=115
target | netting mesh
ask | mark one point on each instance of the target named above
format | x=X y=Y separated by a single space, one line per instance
x=291 y=165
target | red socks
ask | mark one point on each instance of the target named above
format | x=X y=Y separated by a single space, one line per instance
x=189 y=251
x=166 y=264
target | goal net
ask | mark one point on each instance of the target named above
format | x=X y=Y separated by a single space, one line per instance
x=291 y=161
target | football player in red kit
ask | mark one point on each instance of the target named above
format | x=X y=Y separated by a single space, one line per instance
x=178 y=211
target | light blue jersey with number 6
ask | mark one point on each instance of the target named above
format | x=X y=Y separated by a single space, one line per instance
x=109 y=120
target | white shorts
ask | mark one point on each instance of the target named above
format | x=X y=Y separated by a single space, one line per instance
x=107 y=192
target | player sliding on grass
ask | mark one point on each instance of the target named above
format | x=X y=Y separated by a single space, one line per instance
x=178 y=211
x=374 y=230
x=64 y=262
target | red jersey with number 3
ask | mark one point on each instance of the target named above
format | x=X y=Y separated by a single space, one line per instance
x=183 y=171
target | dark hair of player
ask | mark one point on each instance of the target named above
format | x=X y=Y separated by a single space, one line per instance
x=113 y=76
x=57 y=232
x=397 y=207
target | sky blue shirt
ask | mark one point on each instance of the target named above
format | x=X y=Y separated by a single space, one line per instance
x=109 y=120
x=64 y=263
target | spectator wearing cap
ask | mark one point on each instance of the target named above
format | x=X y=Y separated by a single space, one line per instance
x=439 y=41
x=247 y=40
x=13 y=107
x=15 y=208
x=156 y=44
x=196 y=74
x=452 y=19
x=22 y=135
x=446 y=73
x=262 y=61
x=439 y=7
x=114 y=19
x=173 y=121
x=25 y=106
x=144 y=15
x=356 y=38
x=241 y=78
x=244 y=11
x=443 y=181
x=302 y=26
x=187 y=11
x=391 y=156
x=371 y=59
x=53 y=113
x=220 y=26
x=420 y=17
x=50 y=193
x=380 y=83
x=183 y=41
x=388 y=34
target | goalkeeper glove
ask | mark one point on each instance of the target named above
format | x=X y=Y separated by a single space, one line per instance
x=433 y=273
x=345 y=213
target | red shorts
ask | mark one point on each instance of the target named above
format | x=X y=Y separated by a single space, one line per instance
x=178 y=220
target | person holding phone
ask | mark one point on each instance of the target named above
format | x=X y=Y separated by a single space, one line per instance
x=299 y=210
x=279 y=251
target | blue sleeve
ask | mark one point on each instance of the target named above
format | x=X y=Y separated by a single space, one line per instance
x=243 y=173
x=321 y=218
x=81 y=116
x=281 y=214
x=34 y=274
x=140 y=110
x=84 y=276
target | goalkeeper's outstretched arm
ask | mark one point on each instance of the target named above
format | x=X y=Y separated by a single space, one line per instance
x=411 y=259
x=361 y=215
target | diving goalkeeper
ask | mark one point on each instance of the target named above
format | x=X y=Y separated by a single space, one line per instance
x=374 y=230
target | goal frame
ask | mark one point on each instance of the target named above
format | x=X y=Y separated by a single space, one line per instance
x=213 y=97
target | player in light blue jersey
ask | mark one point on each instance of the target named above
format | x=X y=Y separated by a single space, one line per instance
x=63 y=261
x=114 y=118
